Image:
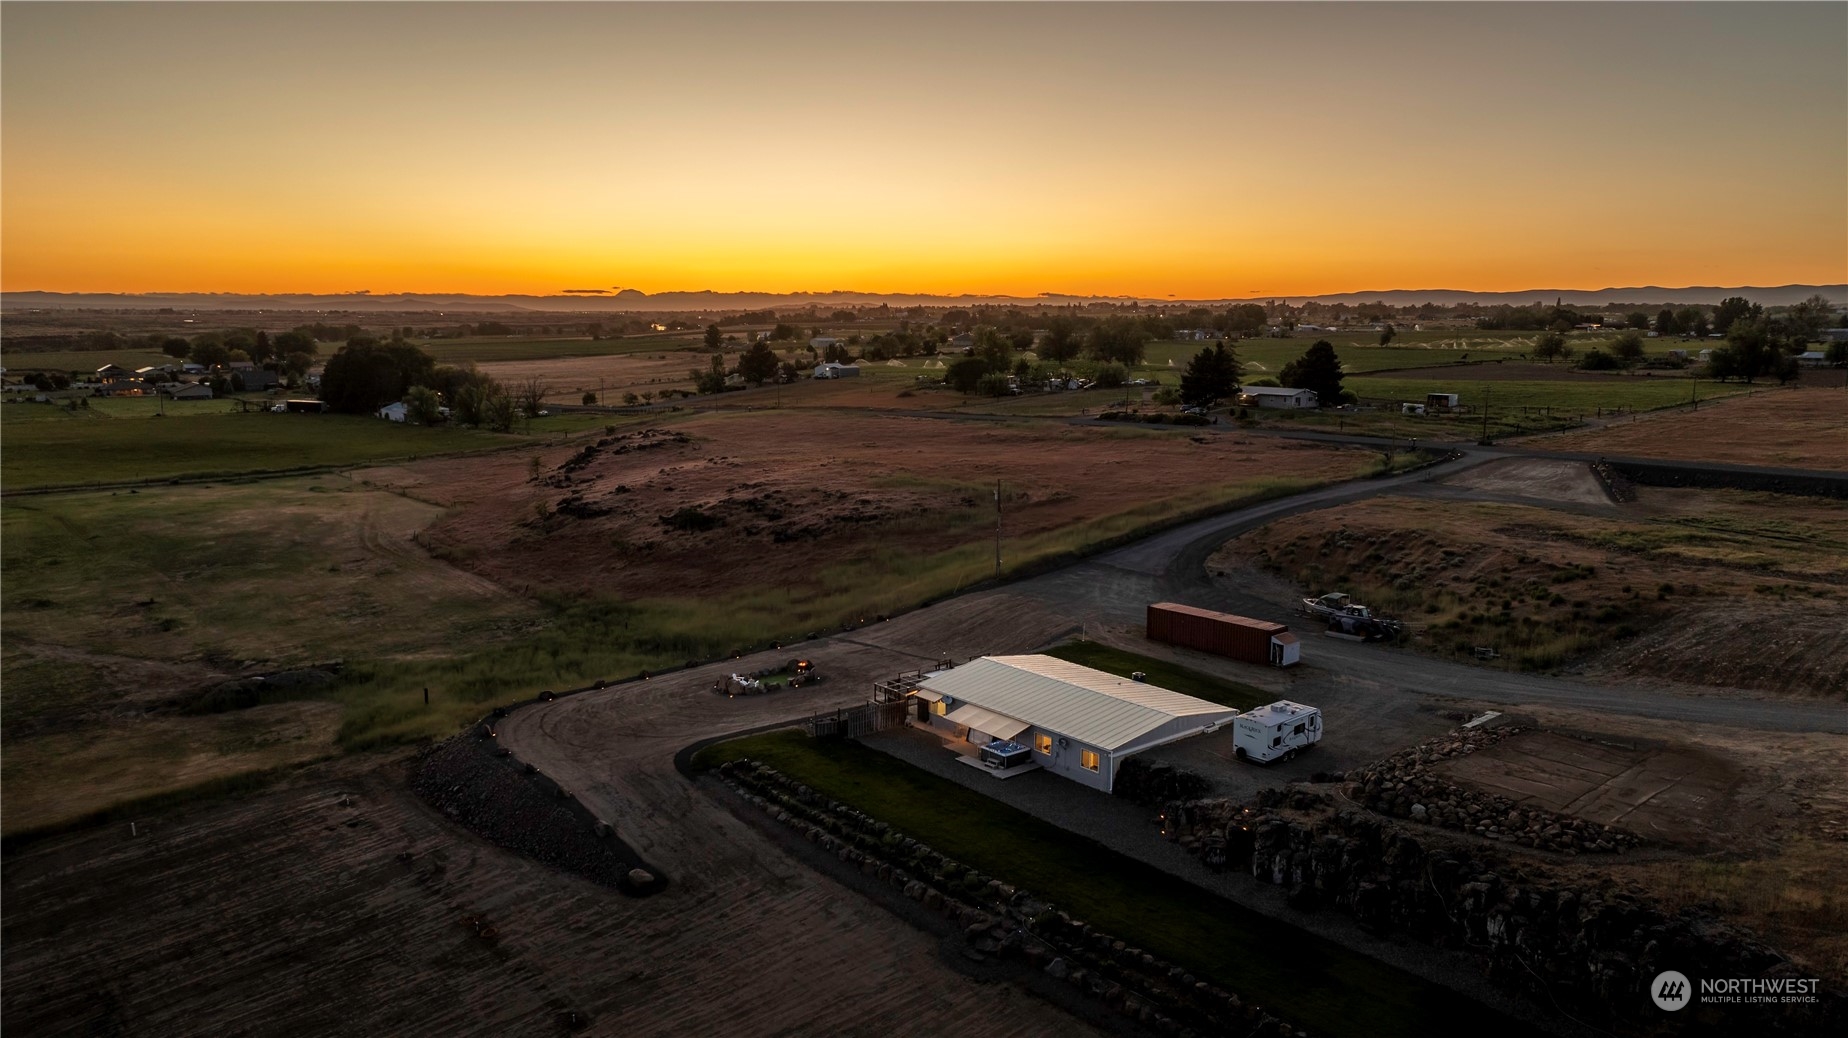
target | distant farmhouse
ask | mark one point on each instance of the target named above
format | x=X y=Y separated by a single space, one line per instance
x=1277 y=397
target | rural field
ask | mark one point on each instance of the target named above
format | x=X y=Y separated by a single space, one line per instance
x=1797 y=428
x=126 y=610
x=126 y=441
x=338 y=902
x=1718 y=588
x=490 y=576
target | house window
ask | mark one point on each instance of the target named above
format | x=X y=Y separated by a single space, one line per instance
x=1043 y=743
x=1087 y=759
x=940 y=708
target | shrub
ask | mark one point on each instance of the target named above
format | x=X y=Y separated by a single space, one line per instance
x=692 y=519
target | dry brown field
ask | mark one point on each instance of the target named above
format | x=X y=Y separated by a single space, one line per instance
x=790 y=496
x=567 y=379
x=1803 y=428
x=1723 y=589
x=338 y=903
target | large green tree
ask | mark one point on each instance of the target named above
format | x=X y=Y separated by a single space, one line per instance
x=966 y=374
x=1061 y=342
x=1734 y=308
x=423 y=406
x=1628 y=349
x=1753 y=348
x=758 y=364
x=1211 y=376
x=1551 y=346
x=1318 y=369
x=365 y=375
x=1118 y=340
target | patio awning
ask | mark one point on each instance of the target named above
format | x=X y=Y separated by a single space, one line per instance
x=927 y=695
x=998 y=725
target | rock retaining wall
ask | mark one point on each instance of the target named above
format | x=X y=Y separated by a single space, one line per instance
x=1589 y=949
x=1407 y=785
x=1001 y=921
x=1667 y=474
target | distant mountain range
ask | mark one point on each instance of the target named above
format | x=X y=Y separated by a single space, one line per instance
x=631 y=300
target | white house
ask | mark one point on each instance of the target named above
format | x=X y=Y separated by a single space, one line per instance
x=187 y=390
x=822 y=342
x=833 y=370
x=394 y=412
x=1075 y=721
x=1277 y=396
x=1812 y=358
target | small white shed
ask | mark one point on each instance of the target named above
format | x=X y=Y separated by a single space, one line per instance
x=395 y=412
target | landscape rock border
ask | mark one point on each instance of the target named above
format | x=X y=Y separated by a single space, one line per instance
x=1000 y=921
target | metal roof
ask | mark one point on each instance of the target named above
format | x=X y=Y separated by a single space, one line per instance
x=1083 y=704
x=985 y=721
x=1208 y=614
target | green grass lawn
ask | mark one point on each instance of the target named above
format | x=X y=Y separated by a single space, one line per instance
x=105 y=407
x=1331 y=990
x=82 y=452
x=1162 y=674
x=1636 y=392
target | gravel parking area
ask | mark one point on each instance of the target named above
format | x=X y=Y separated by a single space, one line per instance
x=1131 y=829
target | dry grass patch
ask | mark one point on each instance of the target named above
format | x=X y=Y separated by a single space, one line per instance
x=1722 y=588
x=1782 y=428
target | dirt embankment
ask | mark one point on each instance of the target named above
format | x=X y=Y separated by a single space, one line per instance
x=1718 y=588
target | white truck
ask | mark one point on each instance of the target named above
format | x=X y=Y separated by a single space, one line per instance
x=1279 y=730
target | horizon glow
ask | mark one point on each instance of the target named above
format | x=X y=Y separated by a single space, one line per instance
x=1203 y=151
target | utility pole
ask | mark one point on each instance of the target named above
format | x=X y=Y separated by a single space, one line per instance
x=1487 y=394
x=997 y=529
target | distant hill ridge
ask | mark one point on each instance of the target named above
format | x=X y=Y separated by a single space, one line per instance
x=581 y=301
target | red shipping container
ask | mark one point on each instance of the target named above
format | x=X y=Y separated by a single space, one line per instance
x=1222 y=634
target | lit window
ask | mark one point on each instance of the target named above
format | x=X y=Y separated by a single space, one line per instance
x=1088 y=759
x=1043 y=743
x=940 y=708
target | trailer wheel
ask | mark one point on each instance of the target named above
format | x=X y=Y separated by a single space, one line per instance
x=1240 y=753
x=1289 y=755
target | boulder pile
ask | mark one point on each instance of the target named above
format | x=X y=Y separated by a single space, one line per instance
x=1590 y=948
x=515 y=806
x=1407 y=785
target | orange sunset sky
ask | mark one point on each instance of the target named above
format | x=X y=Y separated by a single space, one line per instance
x=1200 y=150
